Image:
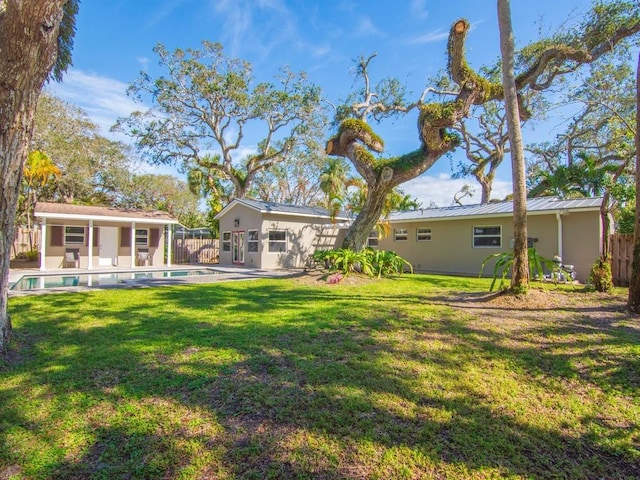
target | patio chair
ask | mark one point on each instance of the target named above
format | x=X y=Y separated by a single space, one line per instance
x=143 y=257
x=71 y=258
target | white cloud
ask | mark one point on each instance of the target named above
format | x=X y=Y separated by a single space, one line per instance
x=418 y=8
x=440 y=190
x=366 y=28
x=144 y=62
x=104 y=99
x=430 y=37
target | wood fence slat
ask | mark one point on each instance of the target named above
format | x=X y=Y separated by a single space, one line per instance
x=195 y=250
x=621 y=248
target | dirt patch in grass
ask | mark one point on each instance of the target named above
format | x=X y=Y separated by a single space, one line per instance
x=546 y=302
x=321 y=277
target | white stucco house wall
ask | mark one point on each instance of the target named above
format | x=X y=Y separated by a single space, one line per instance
x=89 y=237
x=270 y=235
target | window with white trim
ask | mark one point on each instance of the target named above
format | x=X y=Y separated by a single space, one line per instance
x=400 y=234
x=372 y=239
x=487 y=236
x=423 y=234
x=74 y=235
x=252 y=241
x=226 y=241
x=277 y=241
x=142 y=237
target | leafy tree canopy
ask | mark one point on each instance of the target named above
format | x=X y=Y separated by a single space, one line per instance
x=207 y=103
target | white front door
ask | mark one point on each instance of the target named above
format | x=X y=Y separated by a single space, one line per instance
x=108 y=249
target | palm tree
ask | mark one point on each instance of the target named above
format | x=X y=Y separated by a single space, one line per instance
x=520 y=272
x=334 y=182
x=38 y=171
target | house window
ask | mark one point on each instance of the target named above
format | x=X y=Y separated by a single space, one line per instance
x=400 y=234
x=226 y=241
x=487 y=237
x=142 y=237
x=74 y=235
x=277 y=241
x=372 y=240
x=423 y=234
x=252 y=241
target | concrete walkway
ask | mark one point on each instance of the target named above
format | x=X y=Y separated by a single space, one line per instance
x=222 y=273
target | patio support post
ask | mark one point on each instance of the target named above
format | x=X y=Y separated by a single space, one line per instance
x=169 y=244
x=43 y=244
x=133 y=244
x=559 y=219
x=90 y=264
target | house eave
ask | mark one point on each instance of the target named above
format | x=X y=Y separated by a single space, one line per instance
x=490 y=216
x=263 y=211
x=107 y=219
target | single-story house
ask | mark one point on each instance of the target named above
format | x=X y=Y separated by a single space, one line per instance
x=456 y=240
x=270 y=235
x=450 y=240
x=90 y=237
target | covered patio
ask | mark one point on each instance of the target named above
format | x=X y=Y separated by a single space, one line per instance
x=87 y=237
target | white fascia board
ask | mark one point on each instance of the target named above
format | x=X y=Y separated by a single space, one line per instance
x=59 y=216
x=307 y=215
x=490 y=216
x=238 y=201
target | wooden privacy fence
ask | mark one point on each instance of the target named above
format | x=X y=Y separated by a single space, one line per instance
x=621 y=248
x=21 y=242
x=195 y=250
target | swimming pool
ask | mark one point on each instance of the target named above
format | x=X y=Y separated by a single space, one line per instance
x=103 y=279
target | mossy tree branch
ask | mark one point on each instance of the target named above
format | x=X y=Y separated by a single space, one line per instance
x=603 y=29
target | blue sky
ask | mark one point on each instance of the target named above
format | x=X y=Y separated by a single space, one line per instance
x=114 y=42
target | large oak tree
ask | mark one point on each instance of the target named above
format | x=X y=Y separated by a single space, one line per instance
x=607 y=24
x=36 y=37
x=208 y=113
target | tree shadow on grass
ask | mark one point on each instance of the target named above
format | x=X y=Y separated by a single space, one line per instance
x=310 y=394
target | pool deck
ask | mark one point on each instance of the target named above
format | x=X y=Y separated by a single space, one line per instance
x=226 y=273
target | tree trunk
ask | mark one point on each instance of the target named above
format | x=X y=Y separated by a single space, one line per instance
x=606 y=226
x=520 y=273
x=28 y=48
x=365 y=222
x=633 y=301
x=485 y=184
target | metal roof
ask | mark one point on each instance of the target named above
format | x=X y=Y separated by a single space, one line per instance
x=534 y=206
x=281 y=208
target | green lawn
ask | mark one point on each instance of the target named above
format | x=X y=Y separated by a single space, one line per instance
x=284 y=379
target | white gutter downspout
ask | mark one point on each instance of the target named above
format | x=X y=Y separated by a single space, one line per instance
x=133 y=244
x=559 y=219
x=169 y=243
x=90 y=249
x=43 y=247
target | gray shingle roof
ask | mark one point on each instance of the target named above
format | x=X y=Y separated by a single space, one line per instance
x=534 y=205
x=285 y=209
x=71 y=211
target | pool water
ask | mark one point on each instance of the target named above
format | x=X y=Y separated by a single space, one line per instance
x=34 y=282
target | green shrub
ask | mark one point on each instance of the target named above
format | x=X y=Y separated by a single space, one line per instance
x=386 y=263
x=504 y=264
x=32 y=255
x=600 y=276
x=369 y=262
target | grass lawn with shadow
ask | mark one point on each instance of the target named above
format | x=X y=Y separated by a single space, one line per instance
x=414 y=377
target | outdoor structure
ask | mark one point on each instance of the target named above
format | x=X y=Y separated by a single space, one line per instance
x=78 y=236
x=456 y=240
x=449 y=240
x=271 y=235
